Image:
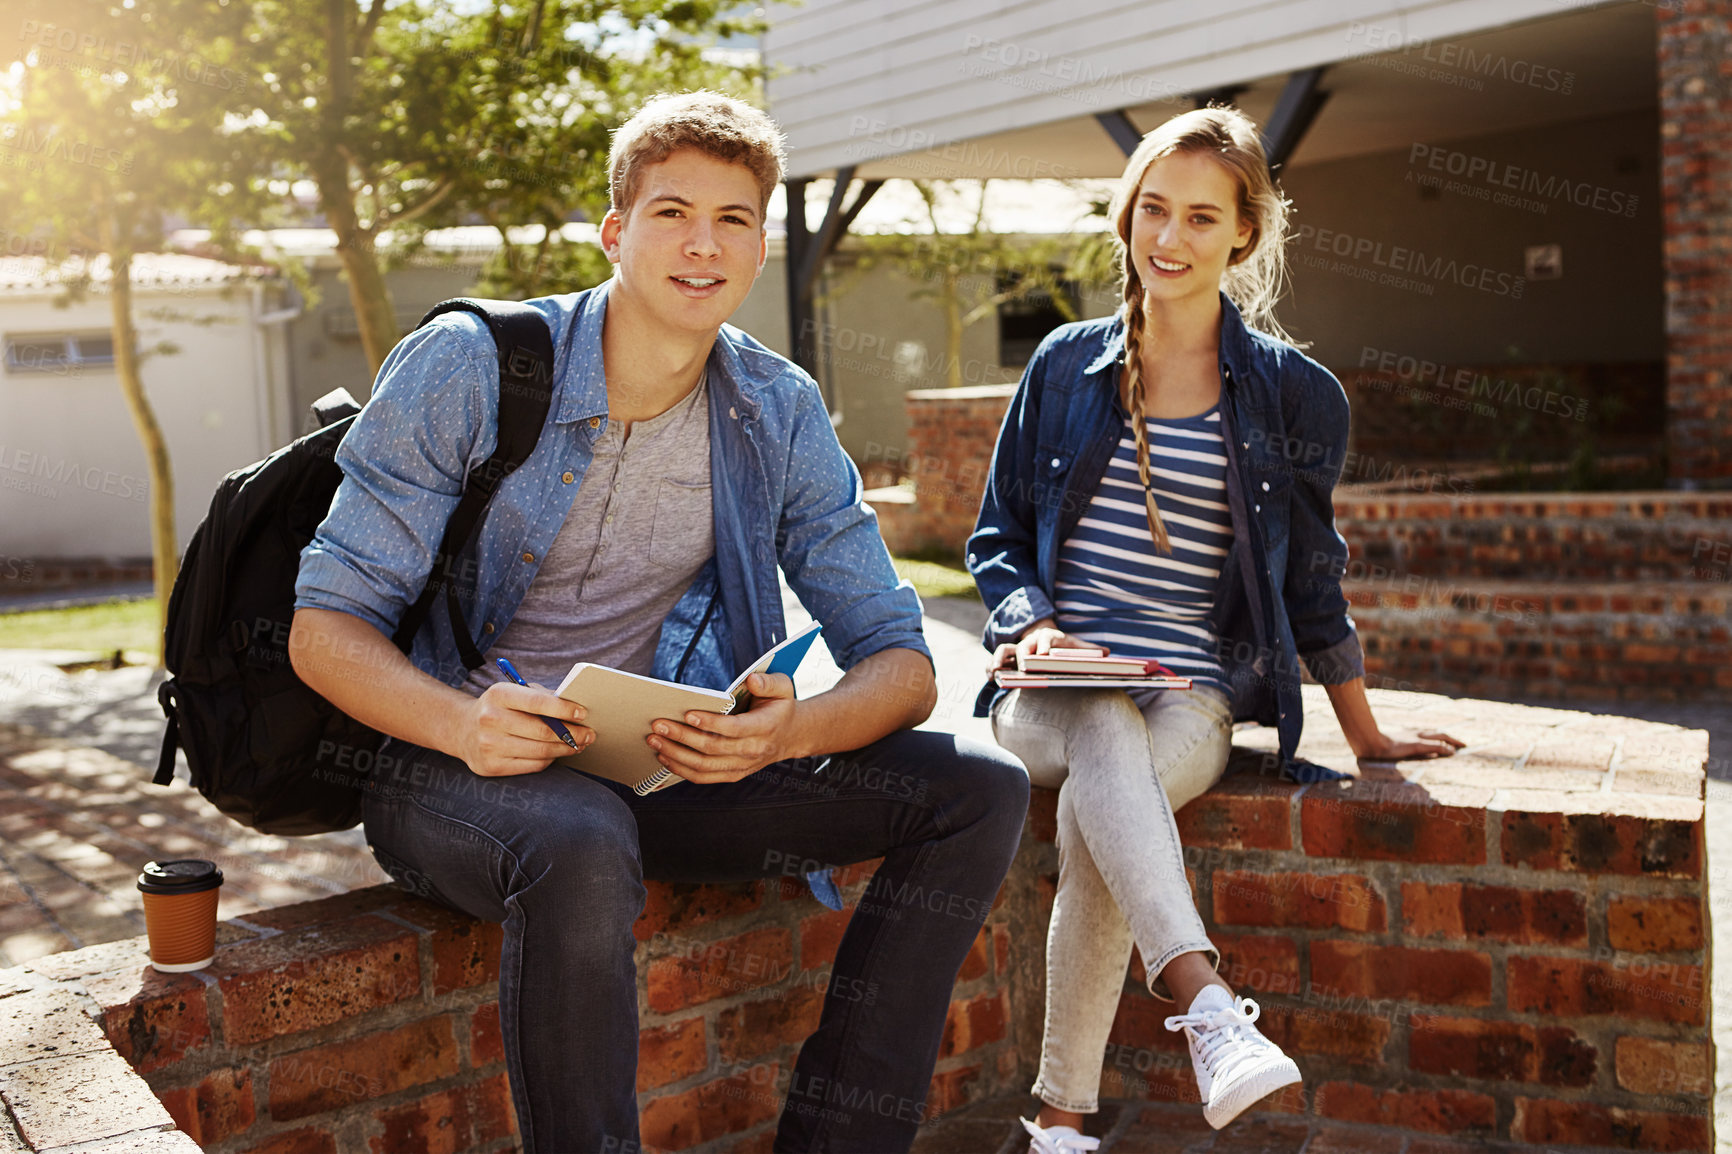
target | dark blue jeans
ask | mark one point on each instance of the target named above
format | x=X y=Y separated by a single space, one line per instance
x=559 y=857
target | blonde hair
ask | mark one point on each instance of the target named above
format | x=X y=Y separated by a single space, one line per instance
x=1256 y=271
x=720 y=126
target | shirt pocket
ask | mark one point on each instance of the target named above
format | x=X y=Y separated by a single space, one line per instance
x=682 y=536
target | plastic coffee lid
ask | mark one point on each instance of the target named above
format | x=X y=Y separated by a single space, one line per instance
x=183 y=876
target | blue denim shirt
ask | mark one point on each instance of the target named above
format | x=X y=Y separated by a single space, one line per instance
x=783 y=492
x=1279 y=600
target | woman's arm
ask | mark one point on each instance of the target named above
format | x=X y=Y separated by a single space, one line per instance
x=1323 y=632
x=1370 y=743
x=1002 y=550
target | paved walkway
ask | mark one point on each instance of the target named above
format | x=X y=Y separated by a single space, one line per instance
x=78 y=817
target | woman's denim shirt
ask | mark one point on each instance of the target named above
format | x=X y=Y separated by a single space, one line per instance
x=1284 y=422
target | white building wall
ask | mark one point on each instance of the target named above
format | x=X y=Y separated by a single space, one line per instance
x=857 y=80
x=73 y=479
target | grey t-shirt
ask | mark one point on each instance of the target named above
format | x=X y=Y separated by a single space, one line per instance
x=638 y=531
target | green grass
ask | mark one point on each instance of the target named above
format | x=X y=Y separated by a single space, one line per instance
x=931 y=579
x=103 y=627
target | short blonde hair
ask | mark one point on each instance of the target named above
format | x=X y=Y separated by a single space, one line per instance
x=717 y=125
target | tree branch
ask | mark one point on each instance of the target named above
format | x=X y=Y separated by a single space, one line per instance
x=445 y=187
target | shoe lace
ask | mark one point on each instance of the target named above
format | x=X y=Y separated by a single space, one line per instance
x=1046 y=1142
x=1223 y=1037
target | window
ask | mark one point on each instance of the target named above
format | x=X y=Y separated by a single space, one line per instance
x=61 y=353
x=1023 y=321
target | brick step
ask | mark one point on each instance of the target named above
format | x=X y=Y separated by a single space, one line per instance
x=1575 y=640
x=1637 y=536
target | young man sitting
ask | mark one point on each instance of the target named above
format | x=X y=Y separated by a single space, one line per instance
x=681 y=463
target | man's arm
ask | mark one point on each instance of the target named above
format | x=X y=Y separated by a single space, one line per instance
x=355 y=667
x=890 y=690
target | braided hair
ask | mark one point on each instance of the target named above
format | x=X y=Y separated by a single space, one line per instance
x=1256 y=271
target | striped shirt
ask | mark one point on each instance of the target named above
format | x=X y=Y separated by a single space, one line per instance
x=1114 y=589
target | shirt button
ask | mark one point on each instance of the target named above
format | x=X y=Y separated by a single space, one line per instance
x=1265 y=486
x=609 y=518
x=1055 y=462
x=1256 y=508
x=487 y=628
x=733 y=413
x=529 y=556
x=567 y=478
x=1244 y=444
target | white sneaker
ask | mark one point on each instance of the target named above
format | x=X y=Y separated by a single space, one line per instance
x=1057 y=1140
x=1235 y=1064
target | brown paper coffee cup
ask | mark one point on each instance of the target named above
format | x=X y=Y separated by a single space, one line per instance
x=180 y=908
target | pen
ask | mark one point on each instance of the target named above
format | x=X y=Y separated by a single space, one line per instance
x=557 y=727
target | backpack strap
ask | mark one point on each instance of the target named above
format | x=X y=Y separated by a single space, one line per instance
x=525 y=394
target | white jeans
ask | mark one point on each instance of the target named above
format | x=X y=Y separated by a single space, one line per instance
x=1121 y=771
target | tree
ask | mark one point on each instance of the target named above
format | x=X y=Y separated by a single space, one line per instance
x=99 y=149
x=971 y=273
x=413 y=114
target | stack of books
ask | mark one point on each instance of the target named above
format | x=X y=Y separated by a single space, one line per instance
x=1091 y=668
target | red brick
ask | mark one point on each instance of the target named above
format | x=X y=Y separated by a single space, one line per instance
x=1654 y=925
x=465 y=949
x=950 y=1090
x=973 y=1023
x=1358 y=1038
x=1383 y=821
x=978 y=963
x=713 y=1110
x=315 y=976
x=763 y=1142
x=1001 y=947
x=1431 y=1111
x=307 y=1140
x=1462 y=912
x=757 y=1029
x=342 y=1073
x=436 y=1124
x=490 y=1108
x=1438 y=977
x=1240 y=813
x=1337 y=901
x=337 y=907
x=219 y=1107
x=665 y=1054
x=152 y=1019
x=1658 y=1067
x=820 y=935
x=1042 y=822
x=679 y=905
x=1499 y=1051
x=486 y=1043
x=448 y=1122
x=733 y=965
x=1267 y=963
x=1590 y=1124
x=1569 y=987
x=1599 y=843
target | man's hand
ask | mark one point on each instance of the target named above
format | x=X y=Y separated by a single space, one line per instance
x=716 y=747
x=1040 y=639
x=505 y=734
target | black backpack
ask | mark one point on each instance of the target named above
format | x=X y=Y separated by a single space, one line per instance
x=262 y=746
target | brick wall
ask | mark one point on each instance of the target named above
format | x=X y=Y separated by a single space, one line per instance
x=1511 y=944
x=1695 y=176
x=370 y=1021
x=1591 y=597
